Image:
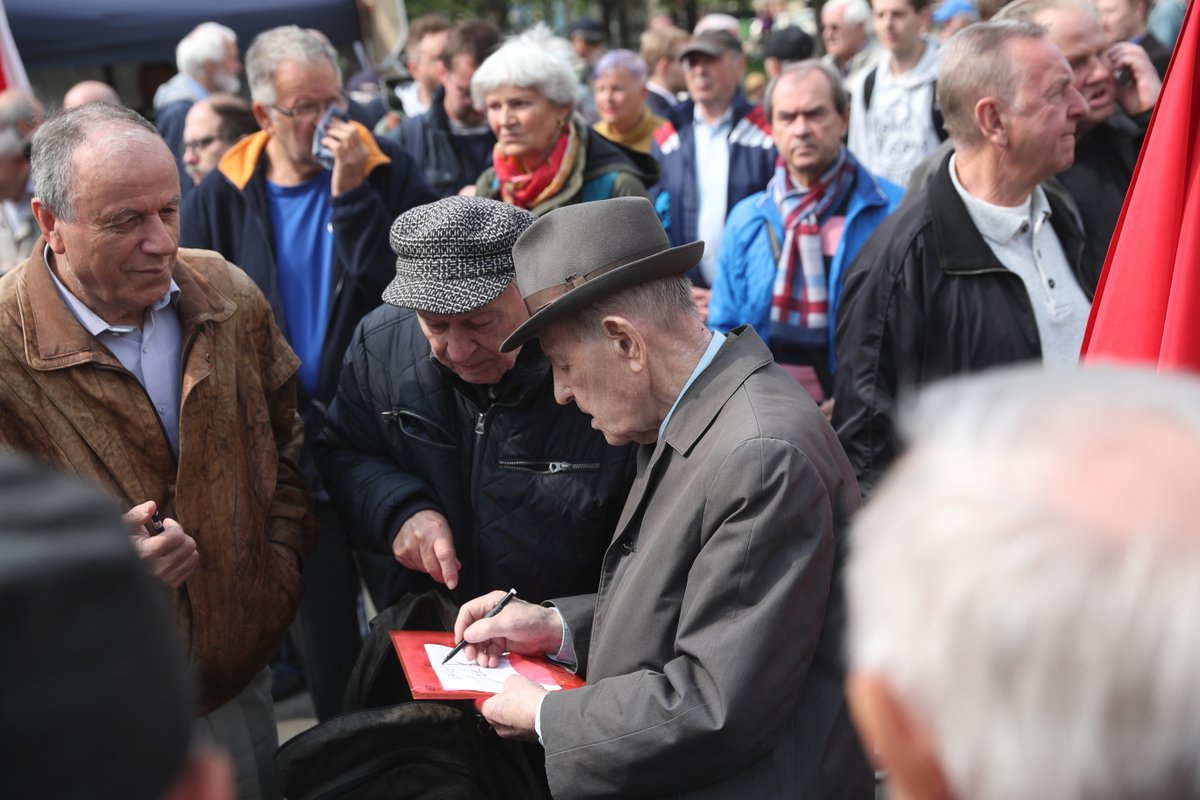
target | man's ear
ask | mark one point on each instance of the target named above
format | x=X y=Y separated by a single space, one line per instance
x=990 y=121
x=261 y=117
x=895 y=740
x=626 y=341
x=48 y=222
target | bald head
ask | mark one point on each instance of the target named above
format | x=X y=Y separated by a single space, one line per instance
x=86 y=92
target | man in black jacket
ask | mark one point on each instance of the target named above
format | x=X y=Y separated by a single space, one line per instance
x=455 y=457
x=981 y=267
x=452 y=141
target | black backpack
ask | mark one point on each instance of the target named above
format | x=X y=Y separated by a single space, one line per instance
x=387 y=745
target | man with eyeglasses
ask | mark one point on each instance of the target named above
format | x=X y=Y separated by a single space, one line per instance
x=214 y=125
x=315 y=240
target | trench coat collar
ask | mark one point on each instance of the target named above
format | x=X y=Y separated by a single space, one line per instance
x=54 y=338
x=742 y=355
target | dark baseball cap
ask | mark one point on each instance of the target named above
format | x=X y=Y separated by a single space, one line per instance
x=711 y=43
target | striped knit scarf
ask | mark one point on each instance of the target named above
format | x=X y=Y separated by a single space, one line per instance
x=801 y=298
x=526 y=189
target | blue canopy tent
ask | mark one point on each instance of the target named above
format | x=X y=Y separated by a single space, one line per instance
x=53 y=34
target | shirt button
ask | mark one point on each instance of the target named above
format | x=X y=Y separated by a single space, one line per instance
x=145 y=350
x=1051 y=283
x=626 y=547
x=1024 y=227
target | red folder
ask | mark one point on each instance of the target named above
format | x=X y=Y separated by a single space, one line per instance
x=410 y=647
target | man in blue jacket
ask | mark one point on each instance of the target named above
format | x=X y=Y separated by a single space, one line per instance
x=314 y=239
x=781 y=260
x=714 y=150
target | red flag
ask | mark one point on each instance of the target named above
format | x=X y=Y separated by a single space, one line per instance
x=1147 y=304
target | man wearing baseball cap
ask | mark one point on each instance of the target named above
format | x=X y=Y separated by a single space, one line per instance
x=450 y=454
x=715 y=149
x=712 y=646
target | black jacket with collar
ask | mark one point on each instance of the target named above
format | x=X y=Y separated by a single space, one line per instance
x=448 y=162
x=531 y=492
x=925 y=299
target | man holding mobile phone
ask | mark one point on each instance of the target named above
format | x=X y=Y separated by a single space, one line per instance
x=1109 y=136
x=314 y=239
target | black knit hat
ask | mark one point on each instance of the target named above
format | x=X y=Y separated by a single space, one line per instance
x=455 y=255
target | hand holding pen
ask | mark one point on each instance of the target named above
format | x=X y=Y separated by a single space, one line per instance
x=523 y=628
x=496 y=609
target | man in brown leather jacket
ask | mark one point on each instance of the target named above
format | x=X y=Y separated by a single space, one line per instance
x=160 y=374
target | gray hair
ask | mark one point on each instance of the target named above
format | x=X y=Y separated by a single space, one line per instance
x=285 y=43
x=977 y=62
x=665 y=302
x=1027 y=10
x=627 y=60
x=857 y=12
x=1024 y=579
x=837 y=89
x=55 y=142
x=204 y=45
x=20 y=113
x=535 y=59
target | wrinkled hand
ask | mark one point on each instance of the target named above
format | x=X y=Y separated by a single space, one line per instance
x=424 y=543
x=349 y=156
x=1142 y=92
x=520 y=628
x=513 y=712
x=171 y=556
x=701 y=296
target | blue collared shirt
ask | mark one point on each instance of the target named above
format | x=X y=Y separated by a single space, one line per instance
x=153 y=351
x=714 y=344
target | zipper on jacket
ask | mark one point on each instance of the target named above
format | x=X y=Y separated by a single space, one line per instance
x=543 y=467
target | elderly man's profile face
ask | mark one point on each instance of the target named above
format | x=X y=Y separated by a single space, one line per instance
x=469 y=344
x=596 y=375
x=118 y=255
x=806 y=126
x=1041 y=122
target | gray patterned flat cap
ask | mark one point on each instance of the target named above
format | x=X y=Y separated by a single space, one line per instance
x=455 y=255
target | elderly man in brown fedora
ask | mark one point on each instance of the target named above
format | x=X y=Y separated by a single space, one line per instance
x=712 y=647
x=451 y=455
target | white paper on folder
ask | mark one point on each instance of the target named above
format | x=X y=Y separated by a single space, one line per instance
x=460 y=675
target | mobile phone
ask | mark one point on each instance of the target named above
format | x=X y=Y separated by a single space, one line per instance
x=1123 y=77
x=320 y=152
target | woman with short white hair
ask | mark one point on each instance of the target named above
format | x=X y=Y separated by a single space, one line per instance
x=545 y=156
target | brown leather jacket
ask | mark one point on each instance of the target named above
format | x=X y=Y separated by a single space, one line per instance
x=236 y=487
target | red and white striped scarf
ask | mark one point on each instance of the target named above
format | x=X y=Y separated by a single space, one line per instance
x=801 y=296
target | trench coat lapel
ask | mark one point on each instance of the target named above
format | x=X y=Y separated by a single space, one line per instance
x=742 y=354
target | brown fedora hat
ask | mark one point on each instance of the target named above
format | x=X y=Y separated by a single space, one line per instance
x=576 y=255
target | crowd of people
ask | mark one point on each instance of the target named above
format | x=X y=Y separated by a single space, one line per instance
x=595 y=325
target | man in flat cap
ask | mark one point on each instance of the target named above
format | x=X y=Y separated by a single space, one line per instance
x=450 y=454
x=712 y=647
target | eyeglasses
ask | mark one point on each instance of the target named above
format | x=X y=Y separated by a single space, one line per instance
x=308 y=110
x=196 y=145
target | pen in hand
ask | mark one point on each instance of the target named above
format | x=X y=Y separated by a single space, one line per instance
x=496 y=609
